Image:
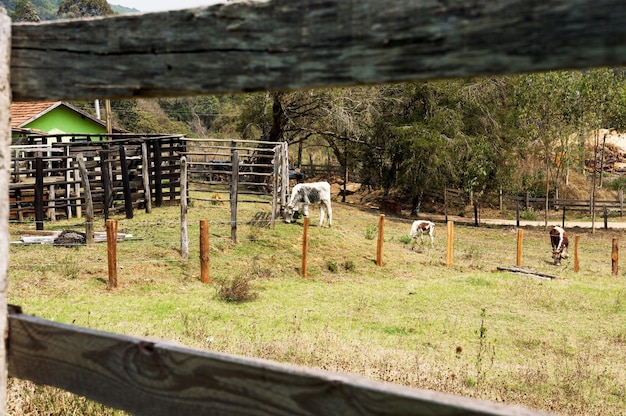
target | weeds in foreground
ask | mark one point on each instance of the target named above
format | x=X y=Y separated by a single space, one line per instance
x=486 y=353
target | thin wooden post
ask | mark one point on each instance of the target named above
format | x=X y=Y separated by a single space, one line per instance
x=52 y=195
x=5 y=160
x=615 y=255
x=158 y=177
x=576 y=258
x=68 y=179
x=39 y=192
x=381 y=239
x=606 y=218
x=621 y=202
x=145 y=174
x=445 y=203
x=305 y=245
x=184 y=236
x=111 y=227
x=234 y=191
x=517 y=214
x=205 y=259
x=128 y=195
x=476 y=221
x=501 y=200
x=105 y=173
x=89 y=232
x=450 y=245
x=563 y=221
x=520 y=240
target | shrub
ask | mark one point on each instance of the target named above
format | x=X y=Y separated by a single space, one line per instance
x=371 y=231
x=332 y=266
x=237 y=289
x=528 y=214
x=349 y=266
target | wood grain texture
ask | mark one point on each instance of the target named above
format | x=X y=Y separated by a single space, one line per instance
x=5 y=170
x=287 y=44
x=152 y=378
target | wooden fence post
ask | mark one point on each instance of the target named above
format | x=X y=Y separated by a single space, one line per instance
x=105 y=172
x=205 y=255
x=39 y=189
x=111 y=226
x=5 y=158
x=88 y=199
x=128 y=195
x=517 y=214
x=234 y=191
x=145 y=174
x=184 y=236
x=381 y=239
x=305 y=245
x=450 y=243
x=520 y=239
x=615 y=255
x=158 y=177
x=576 y=258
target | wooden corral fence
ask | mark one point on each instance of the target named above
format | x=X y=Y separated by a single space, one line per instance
x=259 y=46
x=262 y=167
x=237 y=167
x=126 y=172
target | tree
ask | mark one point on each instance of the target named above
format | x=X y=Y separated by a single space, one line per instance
x=74 y=9
x=25 y=12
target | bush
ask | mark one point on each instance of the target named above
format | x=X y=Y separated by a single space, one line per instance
x=237 y=289
x=332 y=266
x=371 y=231
x=528 y=214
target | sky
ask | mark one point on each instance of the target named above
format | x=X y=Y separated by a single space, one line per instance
x=161 y=5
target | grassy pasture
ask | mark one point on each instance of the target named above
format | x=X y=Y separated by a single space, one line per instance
x=557 y=346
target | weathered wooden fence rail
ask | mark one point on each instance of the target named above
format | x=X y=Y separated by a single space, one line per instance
x=258 y=46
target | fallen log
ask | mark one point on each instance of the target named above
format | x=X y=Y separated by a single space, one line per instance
x=527 y=272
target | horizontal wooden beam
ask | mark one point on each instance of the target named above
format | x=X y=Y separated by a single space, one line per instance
x=147 y=377
x=288 y=44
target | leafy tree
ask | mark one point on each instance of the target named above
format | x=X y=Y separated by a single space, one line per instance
x=74 y=9
x=25 y=12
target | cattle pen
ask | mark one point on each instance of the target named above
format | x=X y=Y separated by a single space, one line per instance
x=257 y=46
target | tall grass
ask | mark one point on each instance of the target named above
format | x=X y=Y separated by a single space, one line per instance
x=557 y=346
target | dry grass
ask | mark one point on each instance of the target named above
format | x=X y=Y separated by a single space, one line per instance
x=556 y=346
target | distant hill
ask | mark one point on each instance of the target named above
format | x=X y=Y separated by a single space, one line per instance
x=123 y=10
x=47 y=9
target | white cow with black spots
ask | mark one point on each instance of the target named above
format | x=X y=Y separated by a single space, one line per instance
x=304 y=194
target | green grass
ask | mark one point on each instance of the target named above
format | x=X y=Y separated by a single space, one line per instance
x=556 y=346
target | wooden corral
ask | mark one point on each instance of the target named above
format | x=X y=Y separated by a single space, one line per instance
x=262 y=170
x=45 y=177
x=256 y=46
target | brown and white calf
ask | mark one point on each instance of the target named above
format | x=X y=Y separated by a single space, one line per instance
x=560 y=242
x=420 y=227
x=304 y=194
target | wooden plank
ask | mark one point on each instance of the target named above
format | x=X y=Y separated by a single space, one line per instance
x=157 y=378
x=5 y=162
x=527 y=272
x=287 y=44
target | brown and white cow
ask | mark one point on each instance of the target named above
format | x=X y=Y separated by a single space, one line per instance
x=560 y=242
x=420 y=227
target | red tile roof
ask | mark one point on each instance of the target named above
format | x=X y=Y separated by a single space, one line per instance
x=21 y=113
